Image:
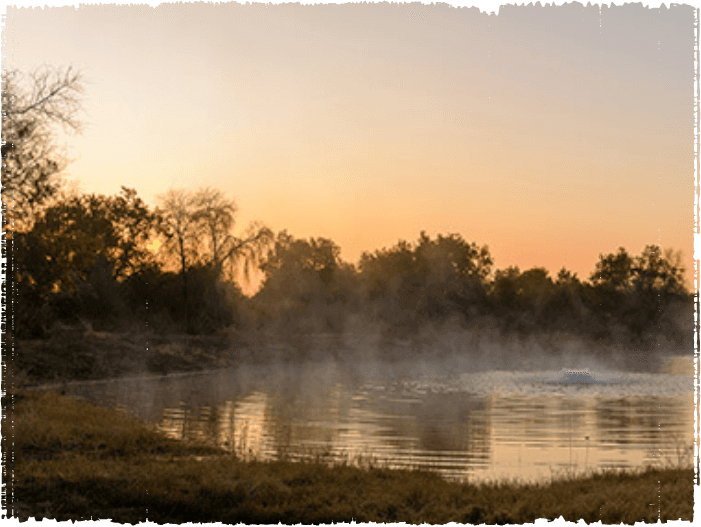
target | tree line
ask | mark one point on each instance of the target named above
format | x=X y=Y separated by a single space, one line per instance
x=114 y=261
x=447 y=279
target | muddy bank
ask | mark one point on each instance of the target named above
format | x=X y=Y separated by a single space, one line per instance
x=78 y=355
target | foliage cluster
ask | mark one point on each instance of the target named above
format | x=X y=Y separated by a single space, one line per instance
x=307 y=287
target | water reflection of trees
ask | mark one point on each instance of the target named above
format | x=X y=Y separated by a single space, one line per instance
x=456 y=434
x=641 y=419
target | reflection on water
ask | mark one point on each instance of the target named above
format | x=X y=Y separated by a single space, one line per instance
x=476 y=427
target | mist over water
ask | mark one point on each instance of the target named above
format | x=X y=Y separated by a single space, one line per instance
x=472 y=414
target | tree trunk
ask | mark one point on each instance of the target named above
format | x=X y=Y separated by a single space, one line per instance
x=184 y=273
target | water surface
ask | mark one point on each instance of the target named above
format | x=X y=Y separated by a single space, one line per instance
x=468 y=426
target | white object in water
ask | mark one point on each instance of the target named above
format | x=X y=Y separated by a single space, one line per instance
x=579 y=377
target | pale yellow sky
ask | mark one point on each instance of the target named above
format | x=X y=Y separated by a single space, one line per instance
x=551 y=134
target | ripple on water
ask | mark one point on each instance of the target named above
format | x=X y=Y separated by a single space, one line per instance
x=556 y=383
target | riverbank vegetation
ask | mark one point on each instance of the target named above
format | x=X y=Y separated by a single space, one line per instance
x=74 y=461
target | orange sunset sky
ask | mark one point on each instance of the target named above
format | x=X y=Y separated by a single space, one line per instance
x=551 y=134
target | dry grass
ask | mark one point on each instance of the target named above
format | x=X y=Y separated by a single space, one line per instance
x=76 y=461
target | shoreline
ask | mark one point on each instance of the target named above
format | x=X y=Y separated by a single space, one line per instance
x=96 y=357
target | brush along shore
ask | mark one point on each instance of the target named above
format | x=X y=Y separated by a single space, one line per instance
x=79 y=354
x=74 y=461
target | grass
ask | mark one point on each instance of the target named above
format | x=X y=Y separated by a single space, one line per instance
x=74 y=461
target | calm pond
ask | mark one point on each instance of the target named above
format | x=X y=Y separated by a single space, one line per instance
x=468 y=426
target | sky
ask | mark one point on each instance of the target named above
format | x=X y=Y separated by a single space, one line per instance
x=551 y=134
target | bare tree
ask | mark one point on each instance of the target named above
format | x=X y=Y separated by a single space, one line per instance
x=216 y=215
x=178 y=224
x=32 y=106
x=248 y=249
x=198 y=228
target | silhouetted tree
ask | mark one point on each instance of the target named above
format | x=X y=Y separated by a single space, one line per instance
x=216 y=215
x=198 y=230
x=635 y=292
x=566 y=307
x=658 y=280
x=391 y=285
x=80 y=244
x=654 y=271
x=611 y=281
x=306 y=283
x=213 y=302
x=177 y=223
x=614 y=272
x=454 y=273
x=504 y=290
x=526 y=300
x=536 y=289
x=32 y=105
x=134 y=226
x=432 y=278
x=385 y=271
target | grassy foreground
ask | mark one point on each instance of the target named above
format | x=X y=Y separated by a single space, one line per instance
x=75 y=461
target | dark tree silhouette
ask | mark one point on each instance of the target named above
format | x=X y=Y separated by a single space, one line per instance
x=32 y=105
x=178 y=225
x=197 y=229
x=82 y=242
